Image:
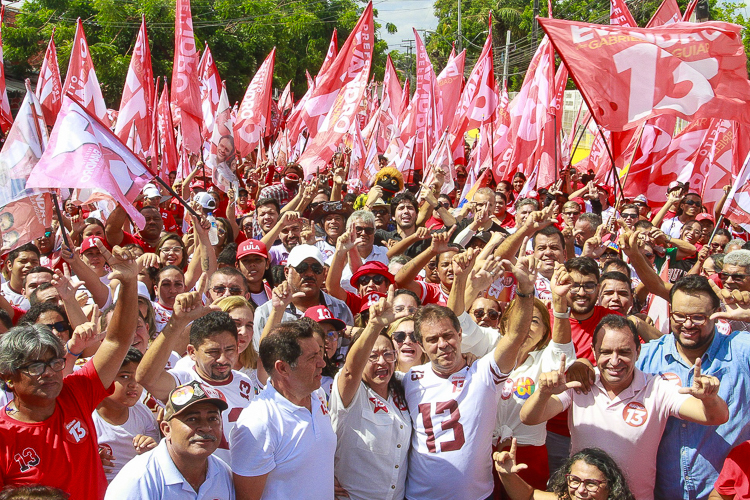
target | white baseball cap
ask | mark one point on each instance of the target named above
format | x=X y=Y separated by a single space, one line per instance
x=302 y=252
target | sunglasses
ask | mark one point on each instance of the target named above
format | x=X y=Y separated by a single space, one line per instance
x=400 y=337
x=59 y=326
x=303 y=267
x=692 y=203
x=369 y=231
x=365 y=280
x=220 y=289
x=492 y=315
x=381 y=212
x=629 y=216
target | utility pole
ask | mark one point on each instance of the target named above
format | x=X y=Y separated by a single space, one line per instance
x=535 y=25
x=409 y=45
x=460 y=45
x=505 y=62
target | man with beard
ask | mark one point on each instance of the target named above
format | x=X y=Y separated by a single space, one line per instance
x=288 y=230
x=331 y=216
x=626 y=410
x=183 y=462
x=305 y=273
x=147 y=238
x=283 y=445
x=359 y=242
x=405 y=210
x=211 y=345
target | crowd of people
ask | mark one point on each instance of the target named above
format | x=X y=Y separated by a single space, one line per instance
x=301 y=339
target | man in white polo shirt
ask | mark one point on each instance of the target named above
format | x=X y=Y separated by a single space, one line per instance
x=181 y=467
x=453 y=406
x=283 y=444
x=626 y=410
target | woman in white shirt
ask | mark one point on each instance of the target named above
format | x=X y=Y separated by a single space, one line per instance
x=540 y=352
x=369 y=414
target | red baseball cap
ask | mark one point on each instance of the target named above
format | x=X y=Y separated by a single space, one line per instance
x=370 y=299
x=252 y=247
x=704 y=216
x=89 y=243
x=373 y=267
x=322 y=314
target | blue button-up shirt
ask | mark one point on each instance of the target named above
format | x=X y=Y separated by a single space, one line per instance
x=691 y=455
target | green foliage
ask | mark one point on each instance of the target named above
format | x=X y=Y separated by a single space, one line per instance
x=240 y=34
x=734 y=13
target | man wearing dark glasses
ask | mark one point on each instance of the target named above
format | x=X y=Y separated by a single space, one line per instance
x=284 y=191
x=305 y=272
x=371 y=277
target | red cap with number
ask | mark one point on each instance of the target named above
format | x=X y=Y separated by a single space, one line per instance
x=323 y=314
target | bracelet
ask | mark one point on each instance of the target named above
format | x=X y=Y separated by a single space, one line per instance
x=72 y=353
x=524 y=295
x=560 y=315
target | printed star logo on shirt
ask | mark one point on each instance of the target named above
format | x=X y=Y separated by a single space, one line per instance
x=379 y=405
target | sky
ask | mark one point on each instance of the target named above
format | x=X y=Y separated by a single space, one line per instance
x=405 y=14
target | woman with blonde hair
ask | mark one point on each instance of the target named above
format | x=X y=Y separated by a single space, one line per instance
x=408 y=351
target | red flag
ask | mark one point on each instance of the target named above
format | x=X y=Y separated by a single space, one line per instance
x=81 y=78
x=254 y=116
x=25 y=219
x=689 y=10
x=185 y=86
x=101 y=160
x=6 y=119
x=333 y=51
x=338 y=121
x=210 y=86
x=138 y=95
x=49 y=86
x=449 y=83
x=630 y=74
x=737 y=207
x=167 y=143
x=353 y=56
x=153 y=147
x=619 y=14
x=667 y=13
x=286 y=101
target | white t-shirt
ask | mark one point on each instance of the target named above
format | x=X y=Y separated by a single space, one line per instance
x=293 y=445
x=16 y=299
x=543 y=289
x=154 y=475
x=672 y=227
x=325 y=248
x=186 y=363
x=628 y=427
x=237 y=389
x=118 y=439
x=453 y=420
x=379 y=254
x=372 y=442
x=161 y=315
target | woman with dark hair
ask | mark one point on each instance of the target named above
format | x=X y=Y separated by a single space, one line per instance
x=590 y=474
x=518 y=182
x=171 y=251
x=369 y=413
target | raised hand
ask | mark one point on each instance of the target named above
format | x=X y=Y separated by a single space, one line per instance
x=381 y=313
x=674 y=197
x=525 y=272
x=142 y=443
x=189 y=306
x=282 y=296
x=441 y=240
x=657 y=236
x=736 y=304
x=427 y=195
x=422 y=233
x=704 y=386
x=555 y=382
x=505 y=461
x=561 y=281
x=289 y=217
x=346 y=241
x=490 y=270
x=149 y=260
x=64 y=283
x=122 y=262
x=463 y=262
x=86 y=334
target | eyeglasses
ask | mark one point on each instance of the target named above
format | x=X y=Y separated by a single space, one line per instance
x=304 y=266
x=221 y=289
x=695 y=319
x=332 y=335
x=38 y=367
x=409 y=309
x=400 y=337
x=588 y=287
x=388 y=356
x=369 y=231
x=59 y=326
x=365 y=280
x=492 y=315
x=171 y=249
x=444 y=204
x=381 y=212
x=591 y=485
x=629 y=216
x=734 y=276
x=247 y=227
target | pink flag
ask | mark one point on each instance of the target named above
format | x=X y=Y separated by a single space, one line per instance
x=23 y=147
x=185 y=85
x=286 y=101
x=667 y=13
x=629 y=74
x=449 y=83
x=210 y=85
x=254 y=116
x=153 y=146
x=81 y=78
x=6 y=119
x=737 y=207
x=101 y=159
x=49 y=86
x=221 y=156
x=25 y=219
x=355 y=54
x=167 y=142
x=619 y=14
x=333 y=51
x=137 y=95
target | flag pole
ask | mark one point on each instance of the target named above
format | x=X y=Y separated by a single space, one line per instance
x=635 y=149
x=176 y=196
x=583 y=132
x=59 y=215
x=611 y=159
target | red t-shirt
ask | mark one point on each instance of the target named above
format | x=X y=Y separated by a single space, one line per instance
x=128 y=238
x=61 y=451
x=733 y=480
x=508 y=220
x=168 y=221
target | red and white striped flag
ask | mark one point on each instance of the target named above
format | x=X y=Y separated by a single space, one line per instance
x=49 y=85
